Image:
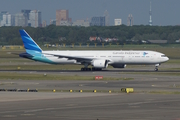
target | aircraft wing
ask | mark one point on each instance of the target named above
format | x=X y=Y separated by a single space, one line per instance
x=78 y=58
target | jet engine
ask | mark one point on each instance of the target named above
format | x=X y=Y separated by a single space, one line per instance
x=100 y=63
x=119 y=65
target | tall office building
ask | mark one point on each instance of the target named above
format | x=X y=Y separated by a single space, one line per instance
x=97 y=21
x=150 y=16
x=44 y=24
x=130 y=20
x=106 y=14
x=117 y=22
x=26 y=13
x=62 y=15
x=20 y=20
x=1 y=15
x=7 y=20
x=35 y=18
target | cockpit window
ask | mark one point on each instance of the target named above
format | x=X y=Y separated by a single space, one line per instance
x=163 y=55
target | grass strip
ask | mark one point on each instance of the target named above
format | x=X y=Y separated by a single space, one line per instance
x=155 y=73
x=164 y=92
x=32 y=76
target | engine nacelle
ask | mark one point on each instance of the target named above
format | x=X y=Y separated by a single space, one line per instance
x=100 y=63
x=119 y=65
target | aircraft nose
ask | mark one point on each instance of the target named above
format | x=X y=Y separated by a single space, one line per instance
x=167 y=59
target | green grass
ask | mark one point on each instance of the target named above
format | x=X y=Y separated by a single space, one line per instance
x=40 y=67
x=164 y=92
x=8 y=53
x=156 y=73
x=175 y=69
x=14 y=60
x=32 y=76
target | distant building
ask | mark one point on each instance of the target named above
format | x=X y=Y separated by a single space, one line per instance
x=150 y=16
x=62 y=15
x=93 y=38
x=130 y=20
x=81 y=23
x=7 y=20
x=106 y=14
x=44 y=24
x=1 y=15
x=26 y=13
x=21 y=20
x=35 y=18
x=65 y=23
x=109 y=39
x=117 y=22
x=158 y=41
x=97 y=21
x=177 y=41
x=53 y=22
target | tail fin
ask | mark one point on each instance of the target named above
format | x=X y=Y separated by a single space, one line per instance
x=29 y=43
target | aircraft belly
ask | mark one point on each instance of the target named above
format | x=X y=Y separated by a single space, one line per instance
x=62 y=60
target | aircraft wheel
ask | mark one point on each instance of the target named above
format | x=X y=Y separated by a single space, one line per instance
x=96 y=69
x=156 y=69
x=85 y=69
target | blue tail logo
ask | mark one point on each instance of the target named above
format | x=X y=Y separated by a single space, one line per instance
x=145 y=53
x=29 y=44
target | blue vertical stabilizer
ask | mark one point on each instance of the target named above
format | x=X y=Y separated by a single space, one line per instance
x=29 y=44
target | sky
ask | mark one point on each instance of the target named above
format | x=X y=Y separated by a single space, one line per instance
x=164 y=12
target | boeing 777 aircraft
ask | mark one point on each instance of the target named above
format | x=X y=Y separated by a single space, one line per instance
x=97 y=59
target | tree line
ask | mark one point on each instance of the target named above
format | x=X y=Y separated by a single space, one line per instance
x=65 y=34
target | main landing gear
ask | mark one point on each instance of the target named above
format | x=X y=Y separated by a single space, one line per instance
x=89 y=69
x=85 y=68
x=96 y=69
x=156 y=67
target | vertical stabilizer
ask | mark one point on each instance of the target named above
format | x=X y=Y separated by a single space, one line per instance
x=29 y=44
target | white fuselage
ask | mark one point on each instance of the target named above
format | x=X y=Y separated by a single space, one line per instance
x=114 y=57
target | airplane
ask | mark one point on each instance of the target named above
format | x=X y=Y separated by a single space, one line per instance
x=97 y=59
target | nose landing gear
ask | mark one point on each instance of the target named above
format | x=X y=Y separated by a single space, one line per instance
x=156 y=67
